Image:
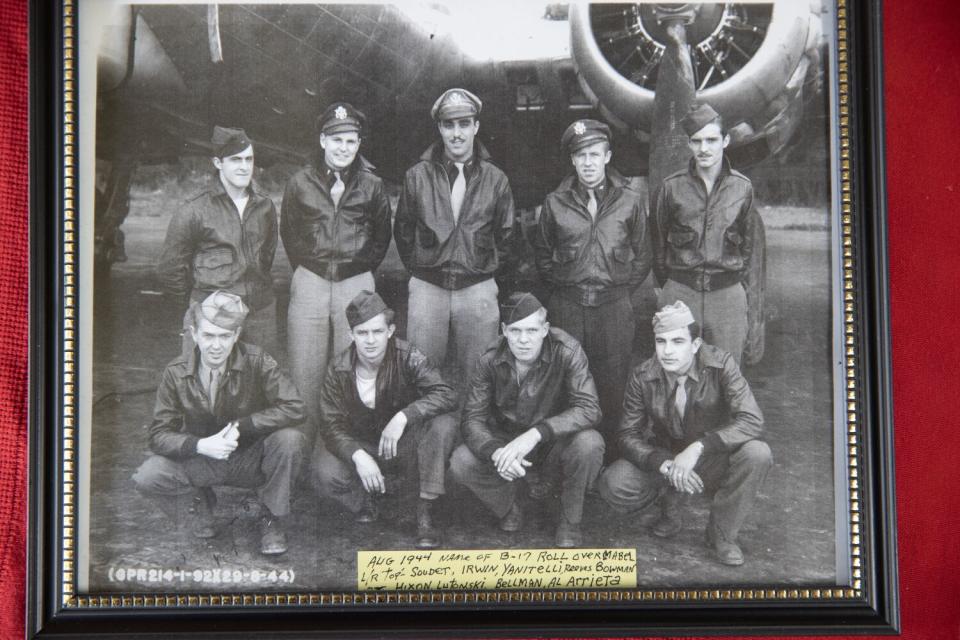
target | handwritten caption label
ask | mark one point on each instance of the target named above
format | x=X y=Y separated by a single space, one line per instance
x=496 y=569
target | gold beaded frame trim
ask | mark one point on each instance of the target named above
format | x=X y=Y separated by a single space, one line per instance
x=68 y=529
x=70 y=599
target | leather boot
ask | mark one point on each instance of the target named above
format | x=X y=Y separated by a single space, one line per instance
x=513 y=521
x=671 y=514
x=368 y=511
x=728 y=552
x=569 y=534
x=273 y=536
x=428 y=535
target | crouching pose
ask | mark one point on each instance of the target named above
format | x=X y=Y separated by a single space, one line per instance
x=690 y=424
x=530 y=411
x=384 y=408
x=225 y=415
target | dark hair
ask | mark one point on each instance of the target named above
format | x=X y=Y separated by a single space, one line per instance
x=695 y=330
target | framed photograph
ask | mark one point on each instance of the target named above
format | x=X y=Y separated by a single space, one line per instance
x=459 y=319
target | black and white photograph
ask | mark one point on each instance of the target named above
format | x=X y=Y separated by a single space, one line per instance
x=540 y=288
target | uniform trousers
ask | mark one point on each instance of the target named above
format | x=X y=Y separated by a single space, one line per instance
x=269 y=464
x=317 y=329
x=606 y=334
x=422 y=452
x=466 y=319
x=570 y=462
x=722 y=314
x=259 y=328
x=733 y=478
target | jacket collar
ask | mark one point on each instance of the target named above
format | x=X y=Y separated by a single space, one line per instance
x=725 y=167
x=346 y=360
x=235 y=361
x=707 y=356
x=324 y=172
x=434 y=152
x=614 y=180
x=217 y=189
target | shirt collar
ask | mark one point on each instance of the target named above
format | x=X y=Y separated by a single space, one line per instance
x=693 y=373
x=599 y=191
x=235 y=361
x=345 y=174
x=435 y=153
x=654 y=370
x=218 y=189
x=725 y=168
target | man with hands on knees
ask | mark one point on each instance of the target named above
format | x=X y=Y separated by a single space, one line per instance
x=225 y=415
x=385 y=414
x=690 y=425
x=531 y=409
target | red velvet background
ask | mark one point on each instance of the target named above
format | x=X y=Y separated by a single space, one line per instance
x=922 y=66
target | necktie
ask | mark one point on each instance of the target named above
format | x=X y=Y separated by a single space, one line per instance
x=680 y=401
x=592 y=203
x=456 y=193
x=214 y=387
x=337 y=189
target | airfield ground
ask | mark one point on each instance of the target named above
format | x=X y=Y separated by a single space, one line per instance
x=788 y=540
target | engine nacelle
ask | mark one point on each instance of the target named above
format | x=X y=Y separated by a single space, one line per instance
x=751 y=62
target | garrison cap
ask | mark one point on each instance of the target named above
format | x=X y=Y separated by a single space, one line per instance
x=583 y=133
x=672 y=317
x=698 y=117
x=455 y=103
x=226 y=310
x=340 y=117
x=518 y=306
x=364 y=306
x=227 y=141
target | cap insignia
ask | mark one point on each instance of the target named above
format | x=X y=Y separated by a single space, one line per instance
x=579 y=128
x=340 y=113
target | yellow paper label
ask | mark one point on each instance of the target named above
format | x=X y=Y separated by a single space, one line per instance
x=496 y=569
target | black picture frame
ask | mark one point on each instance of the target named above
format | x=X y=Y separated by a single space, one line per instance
x=870 y=607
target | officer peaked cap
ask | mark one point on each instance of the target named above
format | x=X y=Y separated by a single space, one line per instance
x=583 y=133
x=455 y=103
x=340 y=117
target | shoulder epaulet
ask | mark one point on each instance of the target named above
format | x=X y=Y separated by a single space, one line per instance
x=676 y=174
x=711 y=356
x=649 y=369
x=198 y=194
x=563 y=338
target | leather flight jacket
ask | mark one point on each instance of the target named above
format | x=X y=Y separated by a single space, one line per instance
x=721 y=411
x=336 y=242
x=448 y=253
x=592 y=261
x=557 y=396
x=253 y=391
x=406 y=381
x=705 y=241
x=209 y=246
